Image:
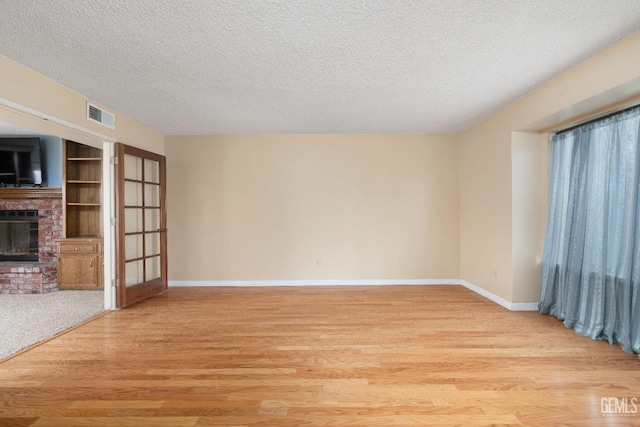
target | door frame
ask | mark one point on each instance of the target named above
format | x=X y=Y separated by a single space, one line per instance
x=109 y=226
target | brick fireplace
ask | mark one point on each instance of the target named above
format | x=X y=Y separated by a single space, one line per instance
x=36 y=276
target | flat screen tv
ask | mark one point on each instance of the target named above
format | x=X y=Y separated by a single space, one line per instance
x=20 y=162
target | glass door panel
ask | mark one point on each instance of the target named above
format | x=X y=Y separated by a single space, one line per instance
x=133 y=219
x=151 y=171
x=151 y=195
x=133 y=193
x=152 y=243
x=135 y=273
x=133 y=247
x=132 y=167
x=153 y=267
x=152 y=219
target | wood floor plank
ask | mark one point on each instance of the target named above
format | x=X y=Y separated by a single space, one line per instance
x=318 y=356
x=17 y=422
x=116 y=422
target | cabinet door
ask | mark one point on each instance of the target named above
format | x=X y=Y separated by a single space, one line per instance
x=78 y=272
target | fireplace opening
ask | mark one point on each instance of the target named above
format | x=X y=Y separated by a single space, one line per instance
x=19 y=235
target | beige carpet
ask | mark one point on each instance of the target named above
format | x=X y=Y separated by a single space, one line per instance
x=28 y=319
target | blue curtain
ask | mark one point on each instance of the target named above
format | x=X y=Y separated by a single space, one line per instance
x=591 y=259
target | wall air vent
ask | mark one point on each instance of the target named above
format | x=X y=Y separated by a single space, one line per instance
x=101 y=116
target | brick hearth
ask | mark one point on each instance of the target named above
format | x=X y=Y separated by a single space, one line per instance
x=34 y=277
x=27 y=277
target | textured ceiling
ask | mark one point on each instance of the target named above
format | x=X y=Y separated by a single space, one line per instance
x=308 y=66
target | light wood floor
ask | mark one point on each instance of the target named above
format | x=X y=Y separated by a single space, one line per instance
x=345 y=356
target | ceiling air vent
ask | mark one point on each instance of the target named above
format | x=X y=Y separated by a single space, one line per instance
x=101 y=116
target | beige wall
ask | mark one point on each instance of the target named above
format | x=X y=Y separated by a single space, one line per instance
x=527 y=177
x=313 y=207
x=29 y=89
x=359 y=207
x=496 y=250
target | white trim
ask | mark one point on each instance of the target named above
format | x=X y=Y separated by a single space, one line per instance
x=108 y=212
x=519 y=306
x=524 y=306
x=493 y=297
x=52 y=119
x=385 y=282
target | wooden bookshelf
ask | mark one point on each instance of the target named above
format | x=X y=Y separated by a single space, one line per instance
x=80 y=256
x=82 y=190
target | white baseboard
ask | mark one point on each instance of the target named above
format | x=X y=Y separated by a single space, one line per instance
x=315 y=282
x=521 y=306
x=527 y=306
x=478 y=290
x=524 y=306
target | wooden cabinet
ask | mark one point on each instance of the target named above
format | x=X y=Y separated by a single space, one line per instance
x=80 y=263
x=82 y=190
x=80 y=254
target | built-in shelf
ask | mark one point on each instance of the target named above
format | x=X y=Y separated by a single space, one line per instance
x=82 y=190
x=80 y=251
